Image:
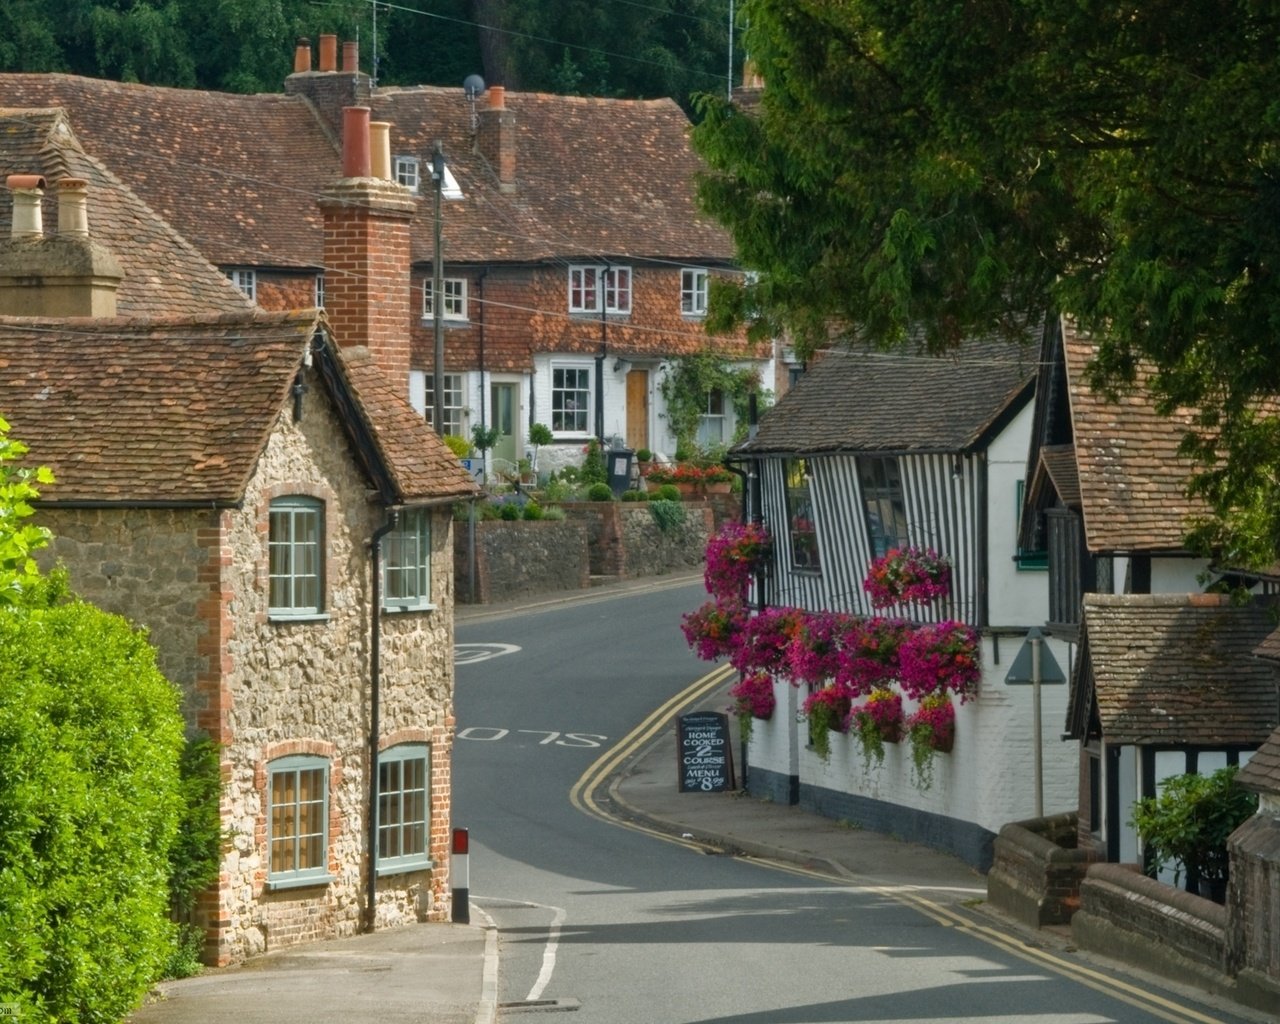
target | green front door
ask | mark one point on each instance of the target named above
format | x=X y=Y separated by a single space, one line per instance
x=503 y=398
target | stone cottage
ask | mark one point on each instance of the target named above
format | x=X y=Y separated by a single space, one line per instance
x=270 y=508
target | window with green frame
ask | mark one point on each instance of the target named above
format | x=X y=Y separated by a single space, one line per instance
x=406 y=562
x=404 y=808
x=295 y=550
x=1026 y=561
x=298 y=821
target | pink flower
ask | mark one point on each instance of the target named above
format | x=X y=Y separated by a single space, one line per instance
x=907 y=576
x=940 y=657
x=753 y=695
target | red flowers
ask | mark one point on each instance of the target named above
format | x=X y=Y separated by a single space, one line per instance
x=907 y=576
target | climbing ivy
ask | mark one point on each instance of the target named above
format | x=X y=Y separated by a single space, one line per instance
x=688 y=381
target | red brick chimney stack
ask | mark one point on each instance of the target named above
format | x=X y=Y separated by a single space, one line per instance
x=367 y=292
x=496 y=137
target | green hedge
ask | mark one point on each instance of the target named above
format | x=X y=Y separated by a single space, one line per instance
x=90 y=734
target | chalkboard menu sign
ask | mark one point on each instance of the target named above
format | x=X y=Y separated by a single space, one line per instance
x=704 y=753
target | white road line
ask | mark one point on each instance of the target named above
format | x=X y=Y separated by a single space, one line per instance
x=472 y=654
x=553 y=940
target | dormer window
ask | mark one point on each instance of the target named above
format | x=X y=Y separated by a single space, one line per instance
x=246 y=281
x=406 y=172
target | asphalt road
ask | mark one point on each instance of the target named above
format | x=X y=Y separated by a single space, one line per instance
x=620 y=927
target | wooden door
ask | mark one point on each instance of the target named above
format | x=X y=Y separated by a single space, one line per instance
x=637 y=409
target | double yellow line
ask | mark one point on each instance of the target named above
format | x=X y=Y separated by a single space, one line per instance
x=583 y=794
x=583 y=797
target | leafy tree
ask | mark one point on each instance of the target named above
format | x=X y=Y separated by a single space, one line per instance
x=960 y=169
x=19 y=574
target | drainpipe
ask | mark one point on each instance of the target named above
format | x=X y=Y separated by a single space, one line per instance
x=604 y=346
x=375 y=682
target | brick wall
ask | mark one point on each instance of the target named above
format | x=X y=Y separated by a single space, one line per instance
x=1037 y=870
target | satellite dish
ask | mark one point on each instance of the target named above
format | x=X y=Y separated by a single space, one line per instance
x=473 y=86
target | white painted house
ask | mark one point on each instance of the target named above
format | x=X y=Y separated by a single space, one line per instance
x=870 y=451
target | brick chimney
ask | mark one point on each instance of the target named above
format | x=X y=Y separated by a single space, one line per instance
x=67 y=274
x=367 y=293
x=329 y=89
x=496 y=137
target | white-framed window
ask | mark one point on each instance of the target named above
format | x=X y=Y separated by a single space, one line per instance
x=453 y=408
x=246 y=281
x=693 y=292
x=404 y=808
x=298 y=821
x=406 y=171
x=571 y=399
x=295 y=555
x=711 y=425
x=320 y=291
x=590 y=285
x=454 y=290
x=406 y=562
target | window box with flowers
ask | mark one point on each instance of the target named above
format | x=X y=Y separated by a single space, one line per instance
x=827 y=711
x=907 y=576
x=877 y=721
x=932 y=730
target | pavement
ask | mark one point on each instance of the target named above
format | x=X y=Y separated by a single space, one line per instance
x=448 y=973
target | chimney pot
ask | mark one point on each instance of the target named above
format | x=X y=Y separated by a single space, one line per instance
x=351 y=57
x=355 y=142
x=73 y=210
x=28 y=217
x=302 y=55
x=497 y=97
x=328 y=53
x=380 y=149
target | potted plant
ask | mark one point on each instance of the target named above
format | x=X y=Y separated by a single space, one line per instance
x=827 y=710
x=539 y=434
x=932 y=730
x=877 y=721
x=752 y=698
x=1188 y=825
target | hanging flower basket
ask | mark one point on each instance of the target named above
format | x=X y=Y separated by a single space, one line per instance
x=907 y=576
x=877 y=721
x=752 y=698
x=814 y=654
x=869 y=654
x=765 y=639
x=945 y=656
x=827 y=711
x=713 y=631
x=932 y=730
x=734 y=555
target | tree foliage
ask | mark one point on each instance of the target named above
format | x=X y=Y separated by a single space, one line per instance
x=659 y=48
x=19 y=540
x=958 y=169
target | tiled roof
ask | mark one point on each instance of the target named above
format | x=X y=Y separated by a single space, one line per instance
x=1060 y=463
x=177 y=410
x=163 y=273
x=1132 y=480
x=1179 y=669
x=595 y=178
x=238 y=176
x=422 y=467
x=861 y=401
x=1262 y=773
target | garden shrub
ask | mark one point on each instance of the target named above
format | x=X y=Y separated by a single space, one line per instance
x=509 y=512
x=555 y=514
x=599 y=492
x=460 y=446
x=634 y=496
x=667 y=492
x=90 y=735
x=533 y=511
x=669 y=515
x=593 y=468
x=196 y=854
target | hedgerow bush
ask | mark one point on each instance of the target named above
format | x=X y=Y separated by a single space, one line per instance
x=90 y=734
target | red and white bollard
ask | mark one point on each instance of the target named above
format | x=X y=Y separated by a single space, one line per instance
x=460 y=872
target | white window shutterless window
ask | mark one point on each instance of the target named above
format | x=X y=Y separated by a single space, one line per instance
x=295 y=556
x=406 y=562
x=452 y=409
x=589 y=286
x=711 y=423
x=454 y=307
x=882 y=500
x=570 y=399
x=802 y=524
x=406 y=171
x=246 y=281
x=298 y=821
x=404 y=808
x=693 y=292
